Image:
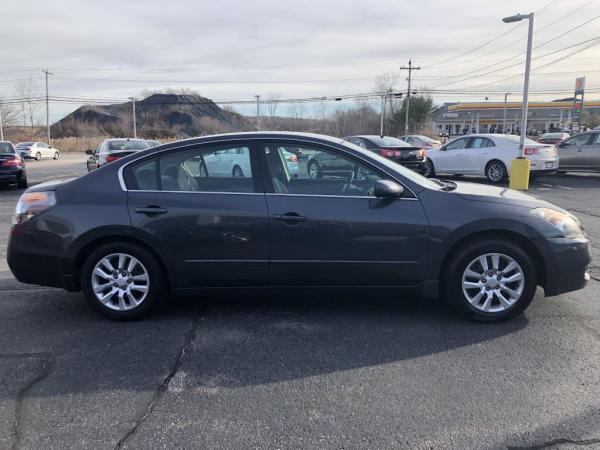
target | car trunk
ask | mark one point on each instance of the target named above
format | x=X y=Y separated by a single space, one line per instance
x=402 y=154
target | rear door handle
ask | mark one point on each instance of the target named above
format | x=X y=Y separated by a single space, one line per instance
x=151 y=210
x=290 y=217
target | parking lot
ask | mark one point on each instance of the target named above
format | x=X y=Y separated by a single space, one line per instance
x=280 y=370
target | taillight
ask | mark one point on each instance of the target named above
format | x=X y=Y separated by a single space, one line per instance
x=32 y=204
x=293 y=158
x=422 y=153
x=390 y=153
x=111 y=158
x=12 y=162
x=531 y=151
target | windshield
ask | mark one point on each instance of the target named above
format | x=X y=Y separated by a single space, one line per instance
x=407 y=173
x=516 y=139
x=24 y=144
x=6 y=148
x=388 y=142
x=127 y=145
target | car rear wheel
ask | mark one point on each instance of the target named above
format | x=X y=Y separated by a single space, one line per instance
x=314 y=171
x=238 y=172
x=496 y=172
x=38 y=156
x=122 y=281
x=428 y=169
x=22 y=183
x=56 y=155
x=490 y=280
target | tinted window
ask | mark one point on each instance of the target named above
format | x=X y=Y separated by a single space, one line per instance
x=318 y=171
x=127 y=145
x=209 y=169
x=6 y=148
x=457 y=144
x=388 y=142
x=580 y=139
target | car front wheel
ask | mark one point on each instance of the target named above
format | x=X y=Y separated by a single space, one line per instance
x=496 y=172
x=56 y=155
x=122 y=281
x=491 y=280
x=38 y=156
x=314 y=171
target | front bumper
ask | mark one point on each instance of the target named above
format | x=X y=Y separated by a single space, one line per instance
x=566 y=262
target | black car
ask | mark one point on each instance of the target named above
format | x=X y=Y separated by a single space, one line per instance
x=154 y=223
x=111 y=150
x=409 y=155
x=12 y=166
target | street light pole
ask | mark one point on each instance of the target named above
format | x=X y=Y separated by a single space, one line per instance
x=520 y=167
x=381 y=115
x=45 y=71
x=134 y=121
x=504 y=115
x=1 y=127
x=257 y=112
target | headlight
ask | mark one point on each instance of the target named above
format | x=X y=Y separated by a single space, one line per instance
x=32 y=204
x=568 y=225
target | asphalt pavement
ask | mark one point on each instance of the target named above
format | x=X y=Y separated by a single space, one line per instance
x=282 y=370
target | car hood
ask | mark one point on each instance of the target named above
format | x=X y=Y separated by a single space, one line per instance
x=498 y=194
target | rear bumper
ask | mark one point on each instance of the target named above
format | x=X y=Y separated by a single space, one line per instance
x=10 y=177
x=417 y=166
x=542 y=166
x=566 y=263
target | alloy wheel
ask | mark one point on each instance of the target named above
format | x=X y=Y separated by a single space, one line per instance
x=493 y=282
x=313 y=170
x=495 y=172
x=120 y=282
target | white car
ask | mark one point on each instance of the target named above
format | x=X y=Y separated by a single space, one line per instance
x=489 y=155
x=37 y=150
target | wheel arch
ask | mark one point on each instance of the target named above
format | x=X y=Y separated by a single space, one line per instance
x=503 y=234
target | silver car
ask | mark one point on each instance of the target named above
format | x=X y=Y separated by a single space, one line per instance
x=580 y=152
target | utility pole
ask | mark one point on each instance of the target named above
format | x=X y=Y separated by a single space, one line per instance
x=133 y=111
x=45 y=71
x=381 y=114
x=257 y=112
x=504 y=114
x=410 y=68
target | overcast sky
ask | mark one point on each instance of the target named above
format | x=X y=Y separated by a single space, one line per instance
x=235 y=49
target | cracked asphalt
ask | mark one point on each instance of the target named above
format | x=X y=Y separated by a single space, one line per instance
x=279 y=370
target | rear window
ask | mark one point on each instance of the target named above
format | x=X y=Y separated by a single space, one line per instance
x=388 y=142
x=125 y=146
x=24 y=144
x=6 y=148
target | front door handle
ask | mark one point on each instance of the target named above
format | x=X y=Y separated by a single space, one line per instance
x=151 y=210
x=290 y=217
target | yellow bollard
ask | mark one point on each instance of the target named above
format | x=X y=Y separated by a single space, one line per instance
x=519 y=174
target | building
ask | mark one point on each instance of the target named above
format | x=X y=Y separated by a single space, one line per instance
x=487 y=117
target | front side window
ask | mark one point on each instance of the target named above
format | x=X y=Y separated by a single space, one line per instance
x=457 y=144
x=580 y=139
x=481 y=142
x=307 y=170
x=208 y=169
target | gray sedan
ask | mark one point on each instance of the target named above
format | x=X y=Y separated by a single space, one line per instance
x=580 y=153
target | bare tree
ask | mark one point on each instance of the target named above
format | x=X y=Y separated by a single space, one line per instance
x=28 y=92
x=10 y=114
x=272 y=102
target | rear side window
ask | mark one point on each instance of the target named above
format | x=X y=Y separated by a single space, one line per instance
x=208 y=169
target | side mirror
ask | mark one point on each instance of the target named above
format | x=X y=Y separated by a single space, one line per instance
x=89 y=152
x=443 y=148
x=564 y=144
x=388 y=189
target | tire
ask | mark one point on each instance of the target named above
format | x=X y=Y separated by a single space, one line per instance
x=496 y=172
x=22 y=183
x=126 y=309
x=56 y=156
x=237 y=172
x=471 y=301
x=314 y=171
x=428 y=169
x=38 y=156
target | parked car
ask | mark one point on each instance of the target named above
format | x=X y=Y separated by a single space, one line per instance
x=419 y=140
x=153 y=143
x=111 y=150
x=153 y=224
x=553 y=138
x=409 y=155
x=580 y=153
x=554 y=129
x=12 y=166
x=489 y=155
x=37 y=150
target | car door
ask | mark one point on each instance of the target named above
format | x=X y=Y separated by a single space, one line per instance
x=571 y=151
x=213 y=229
x=477 y=154
x=592 y=152
x=450 y=158
x=332 y=231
